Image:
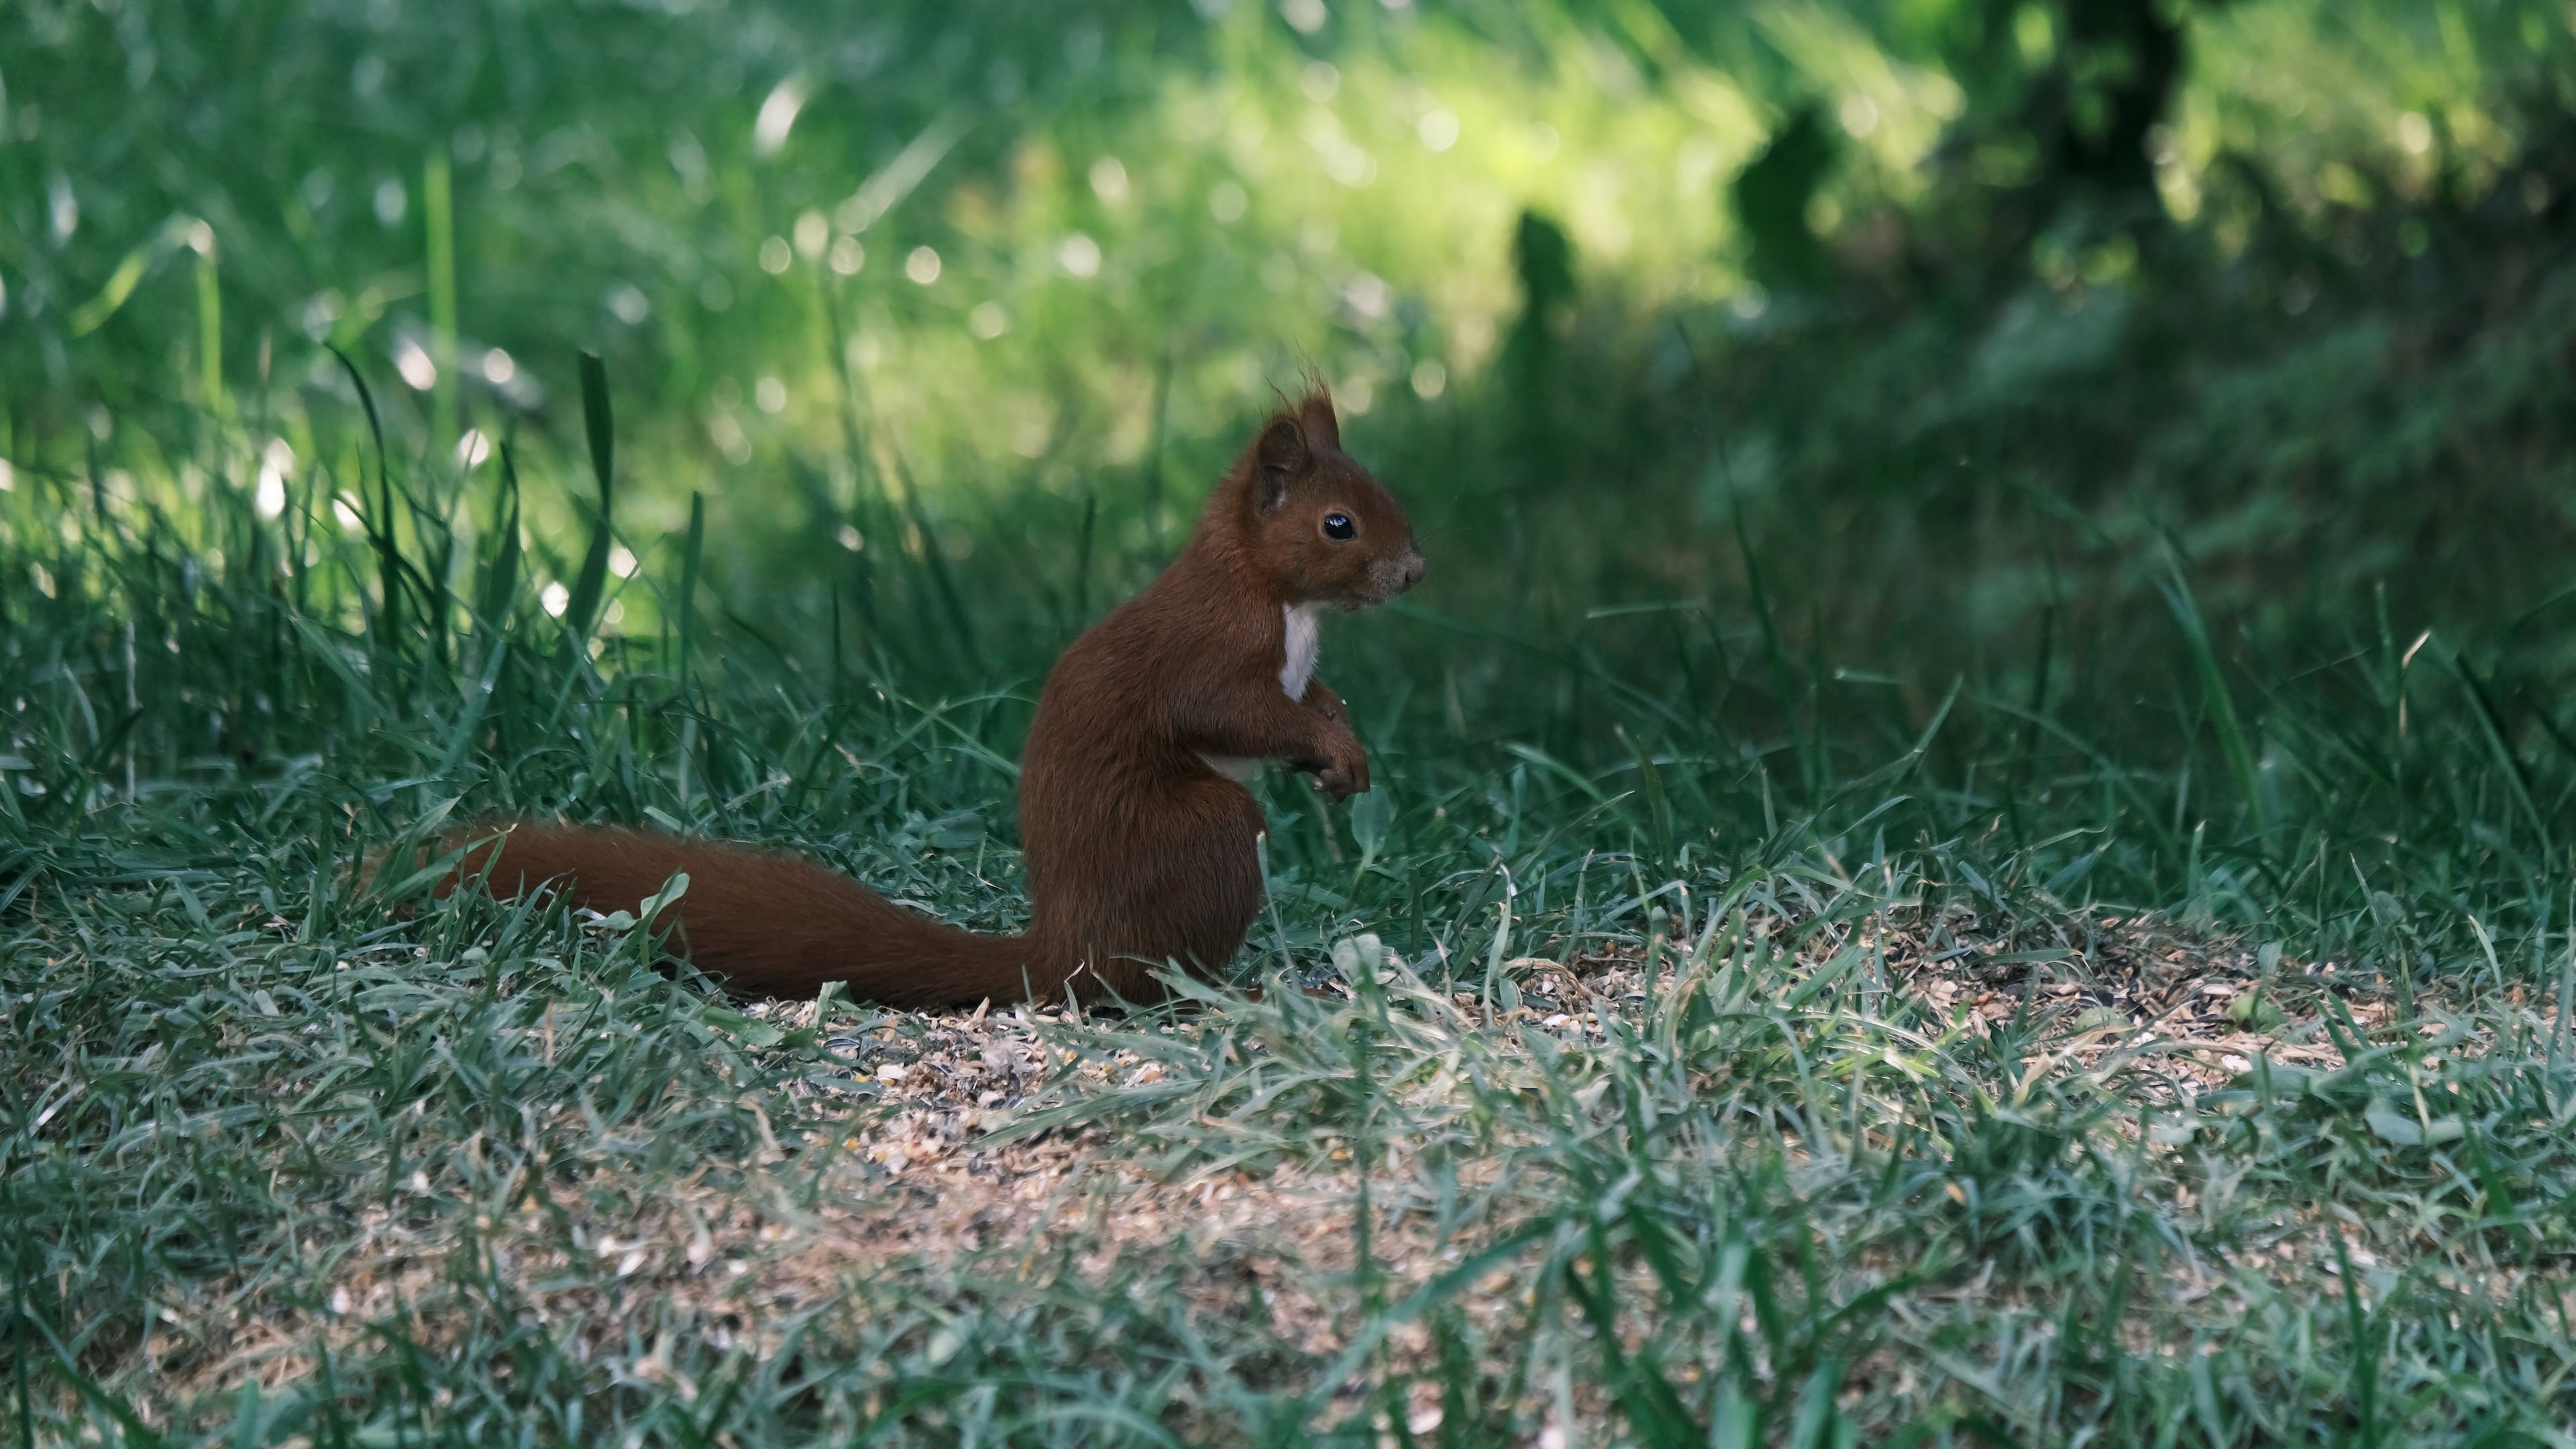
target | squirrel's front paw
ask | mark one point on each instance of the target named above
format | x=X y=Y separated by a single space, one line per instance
x=1346 y=772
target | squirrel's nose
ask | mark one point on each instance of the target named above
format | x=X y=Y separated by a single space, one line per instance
x=1414 y=566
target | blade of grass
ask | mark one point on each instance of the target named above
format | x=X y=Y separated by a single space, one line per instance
x=592 y=581
x=691 y=551
x=2234 y=741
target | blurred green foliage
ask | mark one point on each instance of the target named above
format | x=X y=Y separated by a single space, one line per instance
x=1039 y=268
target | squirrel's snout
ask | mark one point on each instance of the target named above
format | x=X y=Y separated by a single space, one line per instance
x=1388 y=577
x=1414 y=567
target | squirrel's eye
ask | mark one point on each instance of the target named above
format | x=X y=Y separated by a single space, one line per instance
x=1339 y=525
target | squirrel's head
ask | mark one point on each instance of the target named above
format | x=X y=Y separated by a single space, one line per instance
x=1315 y=522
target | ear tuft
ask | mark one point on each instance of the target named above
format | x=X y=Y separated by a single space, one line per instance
x=1315 y=412
x=1282 y=454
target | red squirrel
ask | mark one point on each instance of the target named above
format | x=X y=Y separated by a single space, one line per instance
x=1138 y=832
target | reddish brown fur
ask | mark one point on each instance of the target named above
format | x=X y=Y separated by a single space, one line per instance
x=1139 y=853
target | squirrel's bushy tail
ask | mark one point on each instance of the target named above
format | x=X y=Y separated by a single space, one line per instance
x=769 y=924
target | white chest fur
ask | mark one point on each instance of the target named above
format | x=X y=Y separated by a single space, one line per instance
x=1295 y=670
x=1304 y=638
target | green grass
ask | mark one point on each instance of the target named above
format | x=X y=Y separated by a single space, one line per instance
x=286 y=1160
x=1978 y=856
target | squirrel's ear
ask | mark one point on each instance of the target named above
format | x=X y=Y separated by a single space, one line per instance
x=1280 y=455
x=1315 y=413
